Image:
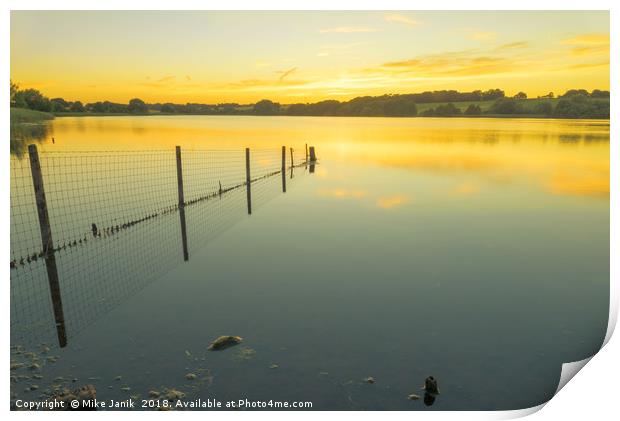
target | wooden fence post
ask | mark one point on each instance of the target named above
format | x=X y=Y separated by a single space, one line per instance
x=306 y=153
x=181 y=204
x=48 y=244
x=312 y=154
x=284 y=169
x=248 y=180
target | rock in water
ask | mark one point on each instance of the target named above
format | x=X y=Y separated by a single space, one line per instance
x=413 y=397
x=224 y=342
x=84 y=395
x=370 y=380
x=430 y=385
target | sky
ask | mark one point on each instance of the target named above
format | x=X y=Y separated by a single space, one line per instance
x=301 y=56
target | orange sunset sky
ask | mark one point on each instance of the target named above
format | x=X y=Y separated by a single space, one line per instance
x=238 y=56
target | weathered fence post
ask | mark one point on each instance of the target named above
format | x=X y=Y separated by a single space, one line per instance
x=312 y=154
x=306 y=153
x=248 y=180
x=181 y=204
x=48 y=244
x=292 y=163
x=284 y=169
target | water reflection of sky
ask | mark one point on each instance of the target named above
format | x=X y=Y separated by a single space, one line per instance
x=474 y=250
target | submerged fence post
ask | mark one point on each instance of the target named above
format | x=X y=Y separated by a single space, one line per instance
x=312 y=154
x=284 y=169
x=181 y=204
x=48 y=244
x=248 y=180
x=312 y=159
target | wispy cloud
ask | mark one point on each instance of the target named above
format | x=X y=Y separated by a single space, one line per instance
x=588 y=44
x=589 y=39
x=513 y=46
x=402 y=19
x=347 y=29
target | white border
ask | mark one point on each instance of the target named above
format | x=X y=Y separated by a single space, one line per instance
x=590 y=394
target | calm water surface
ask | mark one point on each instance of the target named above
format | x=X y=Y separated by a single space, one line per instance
x=473 y=250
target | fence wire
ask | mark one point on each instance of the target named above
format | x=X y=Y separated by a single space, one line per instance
x=115 y=222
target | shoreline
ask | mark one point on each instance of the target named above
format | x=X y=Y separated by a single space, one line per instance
x=515 y=116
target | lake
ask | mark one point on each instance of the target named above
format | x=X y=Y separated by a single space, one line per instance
x=474 y=250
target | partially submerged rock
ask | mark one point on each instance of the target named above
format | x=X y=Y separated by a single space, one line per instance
x=85 y=396
x=190 y=376
x=413 y=397
x=224 y=342
x=173 y=395
x=369 y=380
x=430 y=385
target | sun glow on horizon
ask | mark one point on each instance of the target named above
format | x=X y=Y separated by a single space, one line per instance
x=289 y=57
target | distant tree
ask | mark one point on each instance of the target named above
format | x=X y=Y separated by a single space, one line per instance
x=473 y=109
x=167 y=108
x=137 y=106
x=400 y=106
x=14 y=90
x=574 y=92
x=549 y=95
x=543 y=108
x=492 y=94
x=579 y=106
x=599 y=94
x=33 y=99
x=77 y=107
x=447 y=110
x=520 y=95
x=266 y=107
x=505 y=106
x=59 y=104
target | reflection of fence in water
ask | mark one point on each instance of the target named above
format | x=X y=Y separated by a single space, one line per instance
x=115 y=224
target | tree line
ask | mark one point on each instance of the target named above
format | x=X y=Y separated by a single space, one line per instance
x=574 y=103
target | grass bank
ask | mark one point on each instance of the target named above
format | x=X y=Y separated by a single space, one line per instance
x=23 y=115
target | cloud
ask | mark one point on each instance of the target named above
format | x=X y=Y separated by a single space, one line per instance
x=588 y=44
x=166 y=79
x=513 y=46
x=587 y=39
x=285 y=73
x=459 y=63
x=347 y=29
x=398 y=18
x=392 y=201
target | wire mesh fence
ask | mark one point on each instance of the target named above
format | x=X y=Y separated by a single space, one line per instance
x=118 y=222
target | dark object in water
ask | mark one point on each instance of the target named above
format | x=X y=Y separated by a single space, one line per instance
x=85 y=395
x=312 y=154
x=430 y=385
x=94 y=229
x=224 y=342
x=429 y=399
x=369 y=380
